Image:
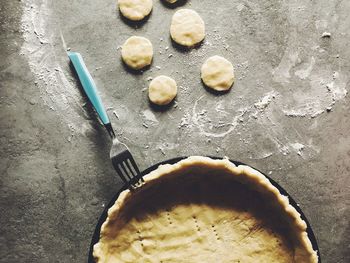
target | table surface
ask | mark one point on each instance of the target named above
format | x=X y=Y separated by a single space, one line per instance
x=287 y=113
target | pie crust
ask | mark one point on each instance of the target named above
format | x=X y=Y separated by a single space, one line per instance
x=204 y=210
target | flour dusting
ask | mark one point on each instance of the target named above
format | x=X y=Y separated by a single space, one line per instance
x=298 y=148
x=216 y=121
x=304 y=73
x=324 y=92
x=320 y=87
x=265 y=101
x=200 y=120
x=56 y=91
x=149 y=116
x=281 y=74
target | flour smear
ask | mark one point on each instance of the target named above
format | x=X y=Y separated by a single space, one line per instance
x=56 y=91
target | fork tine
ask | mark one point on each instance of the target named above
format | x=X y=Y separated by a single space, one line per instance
x=135 y=181
x=128 y=165
x=125 y=171
x=134 y=165
x=121 y=175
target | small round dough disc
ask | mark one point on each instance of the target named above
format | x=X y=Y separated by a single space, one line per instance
x=162 y=90
x=137 y=52
x=217 y=73
x=135 y=10
x=187 y=28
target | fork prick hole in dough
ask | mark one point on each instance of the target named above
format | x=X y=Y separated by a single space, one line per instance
x=196 y=223
x=215 y=232
x=140 y=237
x=168 y=217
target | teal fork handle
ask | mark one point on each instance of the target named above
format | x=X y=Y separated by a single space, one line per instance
x=89 y=86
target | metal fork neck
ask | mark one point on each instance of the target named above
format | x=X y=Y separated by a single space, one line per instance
x=110 y=130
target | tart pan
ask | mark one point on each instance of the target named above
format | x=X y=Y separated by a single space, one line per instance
x=103 y=217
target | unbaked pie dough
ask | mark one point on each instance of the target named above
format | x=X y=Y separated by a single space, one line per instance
x=162 y=90
x=217 y=73
x=137 y=52
x=187 y=28
x=135 y=10
x=204 y=210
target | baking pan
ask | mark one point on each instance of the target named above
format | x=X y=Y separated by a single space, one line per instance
x=103 y=217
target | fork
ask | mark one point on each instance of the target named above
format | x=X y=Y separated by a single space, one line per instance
x=121 y=158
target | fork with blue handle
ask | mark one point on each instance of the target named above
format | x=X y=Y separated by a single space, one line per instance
x=120 y=155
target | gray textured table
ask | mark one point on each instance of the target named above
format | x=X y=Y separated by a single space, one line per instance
x=287 y=114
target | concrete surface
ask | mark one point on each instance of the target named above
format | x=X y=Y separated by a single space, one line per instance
x=287 y=114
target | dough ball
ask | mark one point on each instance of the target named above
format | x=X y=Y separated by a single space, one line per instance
x=137 y=52
x=187 y=28
x=217 y=73
x=162 y=90
x=135 y=10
